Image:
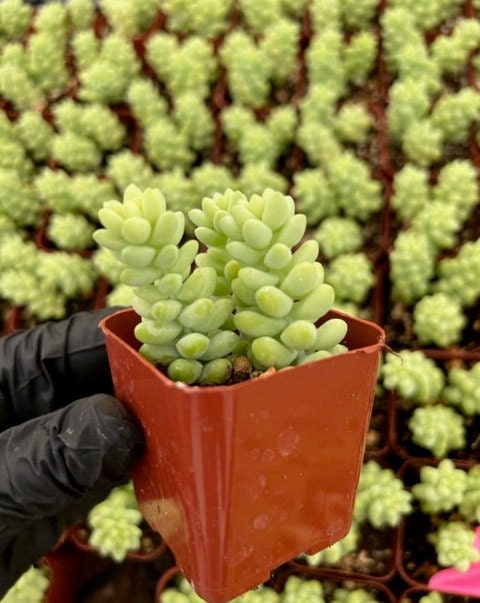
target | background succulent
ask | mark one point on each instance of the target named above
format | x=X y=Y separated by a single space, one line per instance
x=370 y=123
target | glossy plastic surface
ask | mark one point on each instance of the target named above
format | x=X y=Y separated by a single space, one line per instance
x=241 y=478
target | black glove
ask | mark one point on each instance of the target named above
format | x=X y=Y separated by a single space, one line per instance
x=65 y=441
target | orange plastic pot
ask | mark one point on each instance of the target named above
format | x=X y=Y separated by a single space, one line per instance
x=241 y=478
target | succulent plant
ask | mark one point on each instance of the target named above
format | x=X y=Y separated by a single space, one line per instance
x=258 y=17
x=454 y=544
x=208 y=18
x=409 y=103
x=337 y=236
x=356 y=192
x=45 y=60
x=469 y=506
x=438 y=428
x=351 y=275
x=35 y=133
x=319 y=142
x=70 y=231
x=302 y=590
x=81 y=14
x=432 y=597
x=438 y=319
x=457 y=186
x=130 y=18
x=182 y=592
x=359 y=56
x=313 y=195
x=194 y=121
x=358 y=595
x=16 y=85
x=411 y=191
x=458 y=276
x=17 y=200
x=439 y=222
x=422 y=142
x=412 y=266
x=256 y=177
x=167 y=146
x=179 y=192
x=450 y=496
x=412 y=375
x=451 y=52
x=207 y=178
x=31 y=587
x=15 y=18
x=247 y=95
x=114 y=524
x=381 y=498
x=324 y=60
x=249 y=293
x=453 y=114
x=430 y=14
x=120 y=295
x=279 y=46
x=76 y=152
x=107 y=78
x=463 y=389
x=125 y=167
x=39 y=281
x=353 y=122
x=108 y=265
x=248 y=72
x=258 y=141
x=190 y=66
x=441 y=488
x=325 y=14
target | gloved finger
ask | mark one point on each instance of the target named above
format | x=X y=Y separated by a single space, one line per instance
x=50 y=365
x=48 y=463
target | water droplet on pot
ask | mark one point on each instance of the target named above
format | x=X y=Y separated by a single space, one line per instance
x=260 y=522
x=287 y=442
x=268 y=455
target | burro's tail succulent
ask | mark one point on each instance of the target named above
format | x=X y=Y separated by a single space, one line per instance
x=253 y=288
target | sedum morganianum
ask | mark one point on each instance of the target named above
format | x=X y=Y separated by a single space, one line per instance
x=254 y=289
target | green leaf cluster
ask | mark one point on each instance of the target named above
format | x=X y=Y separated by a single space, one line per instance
x=115 y=524
x=31 y=587
x=254 y=291
x=382 y=498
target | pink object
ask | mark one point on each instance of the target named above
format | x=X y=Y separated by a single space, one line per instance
x=455 y=582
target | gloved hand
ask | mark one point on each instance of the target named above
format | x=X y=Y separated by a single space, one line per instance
x=65 y=441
